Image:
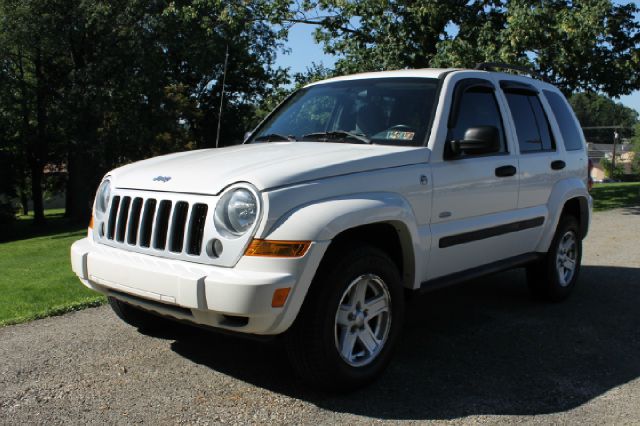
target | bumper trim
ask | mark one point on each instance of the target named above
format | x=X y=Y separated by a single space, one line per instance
x=201 y=294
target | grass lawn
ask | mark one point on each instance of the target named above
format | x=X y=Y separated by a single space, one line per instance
x=608 y=196
x=36 y=278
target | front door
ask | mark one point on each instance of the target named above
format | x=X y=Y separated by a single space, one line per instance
x=475 y=195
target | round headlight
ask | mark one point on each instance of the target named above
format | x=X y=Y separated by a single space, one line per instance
x=236 y=212
x=102 y=197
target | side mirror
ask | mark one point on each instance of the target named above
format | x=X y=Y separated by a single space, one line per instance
x=477 y=140
x=246 y=137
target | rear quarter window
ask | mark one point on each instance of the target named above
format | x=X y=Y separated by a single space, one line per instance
x=571 y=134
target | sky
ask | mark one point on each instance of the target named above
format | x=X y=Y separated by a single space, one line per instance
x=304 y=51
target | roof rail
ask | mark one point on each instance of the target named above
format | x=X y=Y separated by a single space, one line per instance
x=493 y=66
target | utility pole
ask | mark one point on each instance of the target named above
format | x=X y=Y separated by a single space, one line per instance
x=224 y=78
x=616 y=136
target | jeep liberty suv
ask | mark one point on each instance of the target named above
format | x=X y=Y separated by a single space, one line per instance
x=353 y=192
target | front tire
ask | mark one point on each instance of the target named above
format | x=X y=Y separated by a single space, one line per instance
x=350 y=321
x=554 y=277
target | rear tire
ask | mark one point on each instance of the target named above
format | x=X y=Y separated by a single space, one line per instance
x=350 y=321
x=554 y=276
x=137 y=317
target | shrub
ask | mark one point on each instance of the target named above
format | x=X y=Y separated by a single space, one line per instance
x=7 y=212
x=617 y=173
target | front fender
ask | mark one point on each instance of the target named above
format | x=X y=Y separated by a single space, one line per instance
x=323 y=220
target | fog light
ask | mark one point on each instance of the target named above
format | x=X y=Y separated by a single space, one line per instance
x=214 y=248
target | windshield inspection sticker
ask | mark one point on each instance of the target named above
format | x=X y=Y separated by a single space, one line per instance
x=403 y=136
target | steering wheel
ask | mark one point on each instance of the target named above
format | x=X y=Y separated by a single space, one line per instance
x=400 y=127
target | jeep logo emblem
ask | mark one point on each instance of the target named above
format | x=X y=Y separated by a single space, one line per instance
x=162 y=178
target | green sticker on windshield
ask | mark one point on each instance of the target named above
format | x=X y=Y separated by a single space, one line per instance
x=398 y=135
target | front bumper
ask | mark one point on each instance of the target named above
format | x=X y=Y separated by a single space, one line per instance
x=237 y=298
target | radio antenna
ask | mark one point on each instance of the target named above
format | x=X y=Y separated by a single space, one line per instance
x=224 y=78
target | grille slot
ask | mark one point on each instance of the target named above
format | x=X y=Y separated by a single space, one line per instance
x=146 y=226
x=176 y=240
x=123 y=217
x=196 y=222
x=134 y=221
x=152 y=225
x=162 y=222
x=113 y=215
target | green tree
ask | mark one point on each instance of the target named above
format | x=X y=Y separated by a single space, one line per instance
x=312 y=73
x=587 y=45
x=593 y=109
x=96 y=84
x=635 y=165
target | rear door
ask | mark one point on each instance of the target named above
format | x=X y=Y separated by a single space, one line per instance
x=541 y=159
x=568 y=130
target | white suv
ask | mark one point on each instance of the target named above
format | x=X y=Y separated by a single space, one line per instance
x=353 y=192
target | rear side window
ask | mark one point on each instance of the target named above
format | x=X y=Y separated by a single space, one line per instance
x=568 y=129
x=532 y=126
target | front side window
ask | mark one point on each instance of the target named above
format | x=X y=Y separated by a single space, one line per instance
x=532 y=126
x=392 y=111
x=477 y=108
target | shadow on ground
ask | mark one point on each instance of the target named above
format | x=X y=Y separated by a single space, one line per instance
x=631 y=210
x=480 y=348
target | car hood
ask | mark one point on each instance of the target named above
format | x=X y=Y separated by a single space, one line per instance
x=265 y=165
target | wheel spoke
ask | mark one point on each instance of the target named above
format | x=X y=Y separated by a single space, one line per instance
x=347 y=342
x=360 y=292
x=368 y=339
x=376 y=306
x=569 y=264
x=343 y=315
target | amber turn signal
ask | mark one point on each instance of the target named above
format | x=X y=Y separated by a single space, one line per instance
x=269 y=248
x=91 y=223
x=280 y=297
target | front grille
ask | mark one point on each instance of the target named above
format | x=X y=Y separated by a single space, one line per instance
x=164 y=225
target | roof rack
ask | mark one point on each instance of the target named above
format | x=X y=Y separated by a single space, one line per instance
x=493 y=66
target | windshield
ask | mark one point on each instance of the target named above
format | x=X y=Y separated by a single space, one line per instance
x=392 y=111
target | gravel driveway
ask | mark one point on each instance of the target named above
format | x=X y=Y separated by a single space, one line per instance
x=482 y=352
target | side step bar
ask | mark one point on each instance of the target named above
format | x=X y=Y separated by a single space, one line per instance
x=469 y=274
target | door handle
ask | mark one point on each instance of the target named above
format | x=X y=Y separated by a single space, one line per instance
x=558 y=165
x=505 y=171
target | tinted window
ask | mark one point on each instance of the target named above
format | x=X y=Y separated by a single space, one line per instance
x=568 y=129
x=478 y=107
x=532 y=126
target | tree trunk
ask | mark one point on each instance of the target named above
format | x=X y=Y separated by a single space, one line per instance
x=24 y=201
x=37 y=193
x=79 y=188
x=38 y=151
x=82 y=171
x=69 y=198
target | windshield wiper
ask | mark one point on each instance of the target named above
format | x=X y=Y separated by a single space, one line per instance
x=338 y=134
x=274 y=137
